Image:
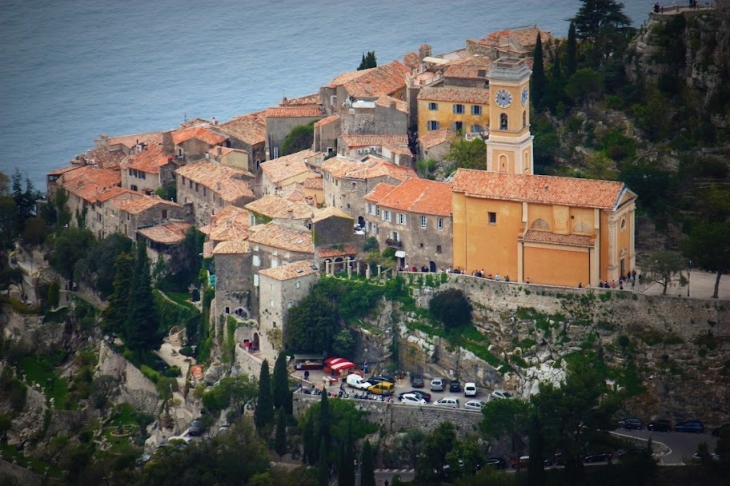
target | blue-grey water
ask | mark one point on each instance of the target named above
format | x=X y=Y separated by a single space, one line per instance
x=73 y=69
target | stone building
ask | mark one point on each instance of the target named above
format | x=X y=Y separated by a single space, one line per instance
x=148 y=169
x=347 y=182
x=314 y=190
x=230 y=157
x=234 y=283
x=127 y=216
x=355 y=146
x=229 y=224
x=248 y=133
x=384 y=115
x=193 y=142
x=413 y=217
x=280 y=289
x=275 y=208
x=435 y=145
x=280 y=121
x=209 y=187
x=326 y=132
x=162 y=239
x=334 y=239
x=289 y=169
x=517 y=42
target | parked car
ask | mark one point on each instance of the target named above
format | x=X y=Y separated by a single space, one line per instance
x=375 y=379
x=496 y=462
x=470 y=389
x=454 y=386
x=196 y=427
x=417 y=381
x=633 y=424
x=718 y=431
x=500 y=394
x=474 y=405
x=437 y=384
x=382 y=388
x=660 y=426
x=411 y=399
x=419 y=394
x=357 y=381
x=600 y=457
x=448 y=402
x=633 y=452
x=690 y=426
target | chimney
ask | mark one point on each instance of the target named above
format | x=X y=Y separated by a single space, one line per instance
x=290 y=213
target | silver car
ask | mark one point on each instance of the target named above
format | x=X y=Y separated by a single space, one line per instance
x=437 y=384
x=474 y=405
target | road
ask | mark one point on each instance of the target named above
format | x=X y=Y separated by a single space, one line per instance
x=681 y=445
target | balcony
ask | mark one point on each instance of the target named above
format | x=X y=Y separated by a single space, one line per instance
x=393 y=243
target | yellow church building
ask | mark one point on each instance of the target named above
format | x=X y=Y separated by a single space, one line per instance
x=541 y=229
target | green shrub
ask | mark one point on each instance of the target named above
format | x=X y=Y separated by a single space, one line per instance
x=186 y=351
x=451 y=307
x=150 y=373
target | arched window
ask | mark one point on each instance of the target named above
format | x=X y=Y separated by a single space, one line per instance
x=503 y=121
x=524 y=119
x=503 y=163
x=540 y=224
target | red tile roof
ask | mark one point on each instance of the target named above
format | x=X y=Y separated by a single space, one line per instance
x=294 y=112
x=169 y=233
x=130 y=141
x=437 y=137
x=539 y=189
x=420 y=196
x=357 y=140
x=474 y=67
x=545 y=237
x=230 y=223
x=104 y=158
x=314 y=183
x=381 y=168
x=140 y=204
x=286 y=167
x=346 y=77
x=477 y=96
x=412 y=60
x=290 y=271
x=149 y=160
x=336 y=251
x=282 y=237
x=203 y=133
x=224 y=181
x=329 y=212
x=116 y=191
x=327 y=121
x=249 y=129
x=379 y=192
x=312 y=99
x=231 y=248
x=280 y=208
x=388 y=101
x=382 y=80
x=89 y=181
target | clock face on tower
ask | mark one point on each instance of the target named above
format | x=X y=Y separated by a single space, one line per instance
x=503 y=98
x=524 y=95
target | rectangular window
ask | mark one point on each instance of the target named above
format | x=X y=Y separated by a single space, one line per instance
x=256 y=280
x=440 y=224
x=458 y=109
x=274 y=263
x=458 y=126
x=164 y=214
x=271 y=302
x=438 y=248
x=433 y=106
x=256 y=261
x=386 y=215
x=401 y=218
x=289 y=304
x=299 y=284
x=476 y=110
x=476 y=129
x=433 y=125
x=205 y=191
x=492 y=218
x=423 y=221
x=197 y=186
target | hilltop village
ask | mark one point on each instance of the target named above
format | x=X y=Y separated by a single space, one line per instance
x=275 y=222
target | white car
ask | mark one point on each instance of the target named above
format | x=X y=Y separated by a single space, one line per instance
x=411 y=399
x=437 y=384
x=448 y=402
x=474 y=405
x=357 y=382
x=500 y=394
x=470 y=390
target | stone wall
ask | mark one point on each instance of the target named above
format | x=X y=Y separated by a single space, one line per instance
x=136 y=390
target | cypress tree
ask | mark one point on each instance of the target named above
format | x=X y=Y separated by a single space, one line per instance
x=309 y=442
x=367 y=467
x=324 y=422
x=280 y=439
x=556 y=66
x=263 y=416
x=535 y=468
x=323 y=468
x=572 y=54
x=346 y=472
x=143 y=331
x=115 y=314
x=538 y=81
x=281 y=393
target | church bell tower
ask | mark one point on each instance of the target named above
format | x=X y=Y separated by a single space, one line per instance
x=509 y=147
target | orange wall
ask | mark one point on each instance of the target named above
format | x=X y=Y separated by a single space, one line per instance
x=556 y=267
x=445 y=115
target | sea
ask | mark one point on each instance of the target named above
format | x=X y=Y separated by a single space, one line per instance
x=71 y=70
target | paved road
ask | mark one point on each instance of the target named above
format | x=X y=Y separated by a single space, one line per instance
x=681 y=445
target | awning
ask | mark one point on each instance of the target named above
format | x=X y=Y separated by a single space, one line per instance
x=332 y=360
x=400 y=254
x=345 y=365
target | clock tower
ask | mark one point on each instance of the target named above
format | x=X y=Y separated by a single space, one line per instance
x=509 y=147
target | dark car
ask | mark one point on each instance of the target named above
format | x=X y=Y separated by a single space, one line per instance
x=419 y=394
x=196 y=427
x=633 y=424
x=660 y=426
x=694 y=426
x=724 y=429
x=375 y=379
x=601 y=457
x=454 y=386
x=633 y=452
x=496 y=462
x=417 y=381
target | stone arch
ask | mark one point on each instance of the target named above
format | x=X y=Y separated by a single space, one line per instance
x=241 y=312
x=540 y=224
x=255 y=342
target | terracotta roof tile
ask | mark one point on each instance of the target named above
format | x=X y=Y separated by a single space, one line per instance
x=475 y=67
x=283 y=168
x=231 y=248
x=279 y=208
x=381 y=168
x=116 y=191
x=148 y=160
x=293 y=192
x=379 y=192
x=312 y=99
x=206 y=134
x=327 y=121
x=292 y=270
x=346 y=77
x=88 y=181
x=412 y=60
x=357 y=140
x=63 y=170
x=140 y=204
x=169 y=233
x=539 y=189
x=246 y=128
x=282 y=237
x=294 y=112
x=314 y=183
x=130 y=141
x=339 y=166
x=437 y=137
x=230 y=223
x=420 y=196
x=455 y=95
x=382 y=80
x=387 y=101
x=104 y=158
x=224 y=181
x=533 y=236
x=336 y=251
x=328 y=212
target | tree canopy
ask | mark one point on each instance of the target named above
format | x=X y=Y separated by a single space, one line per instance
x=300 y=138
x=451 y=307
x=596 y=14
x=70 y=246
x=368 y=61
x=665 y=266
x=142 y=326
x=708 y=246
x=468 y=154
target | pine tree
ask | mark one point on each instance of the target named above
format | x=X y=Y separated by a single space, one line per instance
x=142 y=329
x=367 y=467
x=323 y=467
x=572 y=54
x=280 y=439
x=263 y=416
x=368 y=61
x=538 y=82
x=115 y=314
x=281 y=394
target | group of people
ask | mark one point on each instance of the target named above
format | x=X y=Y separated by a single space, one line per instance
x=488 y=276
x=660 y=9
x=629 y=279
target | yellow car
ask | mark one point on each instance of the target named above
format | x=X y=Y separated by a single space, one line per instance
x=382 y=388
